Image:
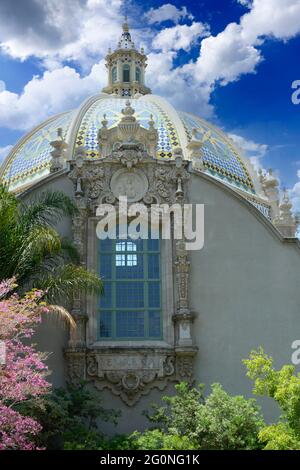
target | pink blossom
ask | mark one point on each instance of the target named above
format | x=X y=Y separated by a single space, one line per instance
x=23 y=375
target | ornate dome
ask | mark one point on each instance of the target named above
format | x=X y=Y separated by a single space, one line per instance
x=30 y=159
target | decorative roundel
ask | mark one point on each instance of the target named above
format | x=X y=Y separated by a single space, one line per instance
x=29 y=160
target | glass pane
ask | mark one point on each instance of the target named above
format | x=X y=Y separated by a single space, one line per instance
x=105 y=324
x=105 y=266
x=153 y=266
x=130 y=324
x=126 y=73
x=153 y=244
x=106 y=245
x=106 y=299
x=154 y=294
x=130 y=266
x=154 y=324
x=129 y=294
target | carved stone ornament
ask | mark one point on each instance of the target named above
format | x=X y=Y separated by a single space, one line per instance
x=130 y=375
x=130 y=183
x=128 y=168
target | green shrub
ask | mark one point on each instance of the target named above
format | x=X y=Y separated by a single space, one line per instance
x=283 y=386
x=227 y=422
x=157 y=440
x=187 y=420
x=70 y=417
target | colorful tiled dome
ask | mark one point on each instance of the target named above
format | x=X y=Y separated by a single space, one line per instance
x=29 y=160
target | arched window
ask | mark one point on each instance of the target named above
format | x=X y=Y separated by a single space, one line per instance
x=131 y=305
x=138 y=74
x=114 y=74
x=126 y=73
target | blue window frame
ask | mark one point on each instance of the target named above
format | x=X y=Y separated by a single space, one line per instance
x=130 y=308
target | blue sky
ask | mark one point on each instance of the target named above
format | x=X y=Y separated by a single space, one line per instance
x=232 y=62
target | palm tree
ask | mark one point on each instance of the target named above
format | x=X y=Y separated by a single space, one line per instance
x=33 y=252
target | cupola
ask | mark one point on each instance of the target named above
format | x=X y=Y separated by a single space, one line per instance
x=126 y=68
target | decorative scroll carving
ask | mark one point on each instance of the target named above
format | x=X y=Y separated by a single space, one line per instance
x=129 y=374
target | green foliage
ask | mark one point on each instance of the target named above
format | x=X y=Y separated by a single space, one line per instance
x=284 y=387
x=70 y=417
x=227 y=422
x=179 y=413
x=33 y=252
x=158 y=440
x=219 y=421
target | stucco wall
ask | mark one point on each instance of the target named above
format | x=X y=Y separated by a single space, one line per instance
x=244 y=288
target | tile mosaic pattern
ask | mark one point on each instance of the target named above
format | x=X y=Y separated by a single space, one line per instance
x=112 y=107
x=32 y=159
x=220 y=158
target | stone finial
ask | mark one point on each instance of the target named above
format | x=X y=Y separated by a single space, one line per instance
x=270 y=185
x=128 y=111
x=194 y=149
x=286 y=222
x=59 y=152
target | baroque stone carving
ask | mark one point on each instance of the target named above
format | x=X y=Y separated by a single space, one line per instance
x=130 y=183
x=128 y=168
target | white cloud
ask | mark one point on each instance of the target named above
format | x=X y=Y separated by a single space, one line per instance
x=4 y=151
x=56 y=91
x=277 y=18
x=175 y=85
x=2 y=86
x=180 y=36
x=254 y=151
x=59 y=30
x=226 y=56
x=233 y=52
x=167 y=12
x=245 y=3
x=95 y=24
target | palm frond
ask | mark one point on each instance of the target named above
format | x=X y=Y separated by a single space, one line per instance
x=62 y=314
x=32 y=250
x=65 y=280
x=69 y=250
x=47 y=208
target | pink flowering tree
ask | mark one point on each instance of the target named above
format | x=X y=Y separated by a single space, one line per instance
x=22 y=368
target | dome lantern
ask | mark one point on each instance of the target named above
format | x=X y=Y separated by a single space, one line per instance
x=126 y=68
